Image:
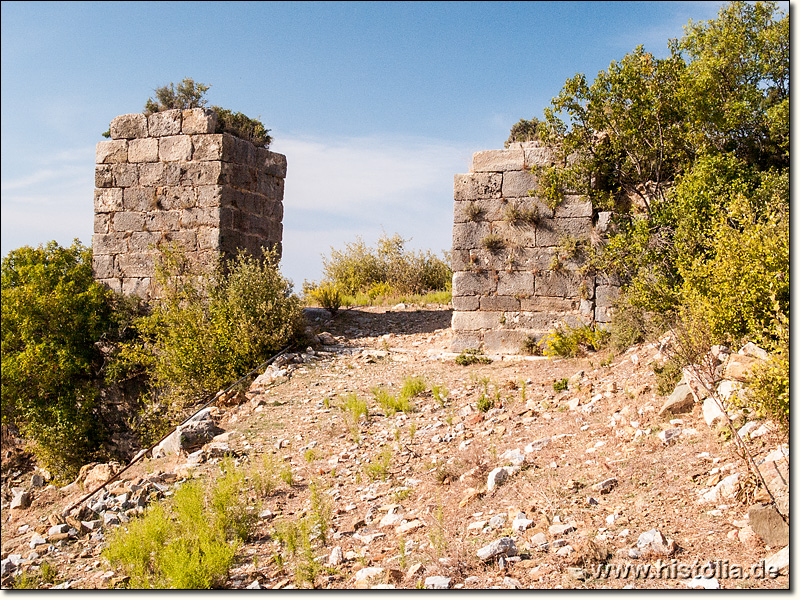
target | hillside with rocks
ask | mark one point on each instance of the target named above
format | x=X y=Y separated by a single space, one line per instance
x=579 y=476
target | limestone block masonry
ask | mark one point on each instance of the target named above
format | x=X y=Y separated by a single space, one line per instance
x=510 y=285
x=168 y=178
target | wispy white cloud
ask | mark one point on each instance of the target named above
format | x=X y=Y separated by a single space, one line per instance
x=337 y=191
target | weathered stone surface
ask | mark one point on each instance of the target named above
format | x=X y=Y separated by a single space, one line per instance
x=712 y=412
x=437 y=582
x=680 y=401
x=778 y=562
x=739 y=367
x=466 y=283
x=473 y=186
x=466 y=303
x=768 y=525
x=21 y=500
x=512 y=159
x=469 y=235
x=494 y=303
x=503 y=546
x=198 y=120
x=125 y=175
x=558 y=284
x=473 y=320
x=465 y=340
x=107 y=200
x=573 y=207
x=654 y=542
x=271 y=162
x=112 y=151
x=515 y=282
x=128 y=126
x=143 y=150
x=538 y=155
x=518 y=184
x=175 y=148
x=164 y=123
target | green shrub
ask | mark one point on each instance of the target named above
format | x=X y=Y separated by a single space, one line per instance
x=485 y=402
x=378 y=467
x=53 y=313
x=358 y=268
x=206 y=331
x=413 y=386
x=328 y=296
x=569 y=342
x=242 y=126
x=524 y=131
x=516 y=214
x=390 y=403
x=471 y=356
x=560 y=385
x=668 y=374
x=474 y=212
x=188 y=542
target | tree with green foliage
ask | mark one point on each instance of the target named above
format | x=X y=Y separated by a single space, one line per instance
x=524 y=131
x=53 y=314
x=691 y=154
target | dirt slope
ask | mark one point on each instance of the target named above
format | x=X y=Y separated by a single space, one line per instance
x=592 y=473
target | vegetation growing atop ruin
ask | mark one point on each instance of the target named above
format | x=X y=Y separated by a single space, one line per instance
x=191 y=94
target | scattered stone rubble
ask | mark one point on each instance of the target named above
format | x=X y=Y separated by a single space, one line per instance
x=541 y=489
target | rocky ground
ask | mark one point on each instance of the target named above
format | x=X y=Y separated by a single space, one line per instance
x=585 y=487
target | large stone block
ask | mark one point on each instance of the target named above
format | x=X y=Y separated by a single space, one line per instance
x=473 y=284
x=533 y=321
x=512 y=159
x=465 y=340
x=477 y=319
x=128 y=221
x=103 y=266
x=164 y=123
x=531 y=259
x=199 y=217
x=128 y=126
x=111 y=151
x=499 y=303
x=101 y=221
x=185 y=239
x=110 y=243
x=141 y=199
x=138 y=286
x=548 y=304
x=209 y=196
x=516 y=235
x=549 y=232
x=606 y=295
x=539 y=155
x=144 y=241
x=269 y=185
x=136 y=264
x=162 y=220
x=518 y=184
x=477 y=186
x=103 y=177
x=504 y=341
x=469 y=235
x=175 y=148
x=207 y=238
x=271 y=163
x=108 y=200
x=574 y=207
x=201 y=173
x=125 y=175
x=198 y=120
x=515 y=283
x=466 y=302
x=143 y=150
x=208 y=147
x=176 y=198
x=114 y=284
x=152 y=174
x=558 y=284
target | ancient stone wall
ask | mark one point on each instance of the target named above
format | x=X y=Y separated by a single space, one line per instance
x=168 y=177
x=511 y=283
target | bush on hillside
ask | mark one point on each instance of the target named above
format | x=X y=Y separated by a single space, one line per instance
x=53 y=315
x=208 y=330
x=361 y=269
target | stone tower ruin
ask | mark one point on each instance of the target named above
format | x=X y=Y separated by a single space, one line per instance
x=168 y=178
x=510 y=287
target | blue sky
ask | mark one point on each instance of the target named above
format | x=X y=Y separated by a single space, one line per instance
x=376 y=105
